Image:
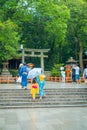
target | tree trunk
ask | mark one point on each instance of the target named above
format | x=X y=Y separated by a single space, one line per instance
x=81 y=55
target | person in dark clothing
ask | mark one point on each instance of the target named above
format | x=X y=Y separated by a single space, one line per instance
x=73 y=74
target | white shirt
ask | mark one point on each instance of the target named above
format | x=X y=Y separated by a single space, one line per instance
x=77 y=70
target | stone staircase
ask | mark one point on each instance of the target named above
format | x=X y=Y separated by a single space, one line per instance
x=60 y=97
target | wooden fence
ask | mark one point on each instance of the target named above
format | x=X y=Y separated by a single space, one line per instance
x=9 y=79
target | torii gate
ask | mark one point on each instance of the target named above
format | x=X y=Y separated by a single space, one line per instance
x=35 y=53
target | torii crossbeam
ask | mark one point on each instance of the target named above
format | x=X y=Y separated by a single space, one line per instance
x=35 y=53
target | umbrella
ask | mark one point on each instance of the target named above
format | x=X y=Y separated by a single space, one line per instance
x=34 y=73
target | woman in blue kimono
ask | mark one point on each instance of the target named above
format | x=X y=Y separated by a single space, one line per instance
x=24 y=73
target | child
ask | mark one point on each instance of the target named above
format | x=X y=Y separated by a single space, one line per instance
x=34 y=89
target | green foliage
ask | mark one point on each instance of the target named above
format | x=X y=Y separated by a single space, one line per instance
x=43 y=24
x=56 y=70
x=14 y=72
x=8 y=40
x=47 y=29
x=77 y=26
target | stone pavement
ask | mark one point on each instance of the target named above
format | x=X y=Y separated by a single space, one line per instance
x=47 y=85
x=73 y=118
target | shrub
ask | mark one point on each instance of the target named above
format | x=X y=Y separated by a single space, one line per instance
x=14 y=72
x=56 y=70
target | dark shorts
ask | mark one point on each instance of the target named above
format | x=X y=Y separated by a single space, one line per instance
x=77 y=77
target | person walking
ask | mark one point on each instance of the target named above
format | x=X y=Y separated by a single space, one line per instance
x=34 y=89
x=73 y=73
x=77 y=73
x=85 y=74
x=24 y=73
x=19 y=74
x=62 y=74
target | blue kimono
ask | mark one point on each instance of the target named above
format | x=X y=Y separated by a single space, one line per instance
x=23 y=73
x=41 y=85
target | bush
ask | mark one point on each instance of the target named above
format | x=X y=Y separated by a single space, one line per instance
x=56 y=70
x=14 y=72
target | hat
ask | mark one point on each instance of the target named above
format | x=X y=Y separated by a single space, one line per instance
x=30 y=64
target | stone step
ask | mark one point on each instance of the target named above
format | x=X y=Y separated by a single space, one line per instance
x=55 y=92
x=42 y=106
x=58 y=89
x=46 y=90
x=31 y=102
x=48 y=96
x=18 y=98
x=44 y=100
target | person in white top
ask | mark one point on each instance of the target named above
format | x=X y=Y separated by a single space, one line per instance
x=62 y=74
x=77 y=74
x=85 y=74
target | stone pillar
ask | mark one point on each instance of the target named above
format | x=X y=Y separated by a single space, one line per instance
x=42 y=61
x=22 y=49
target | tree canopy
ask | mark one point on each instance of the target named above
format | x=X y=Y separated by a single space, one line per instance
x=58 y=25
x=8 y=40
x=78 y=25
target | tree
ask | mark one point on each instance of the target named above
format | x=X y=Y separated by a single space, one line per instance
x=78 y=25
x=8 y=40
x=43 y=24
x=47 y=27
